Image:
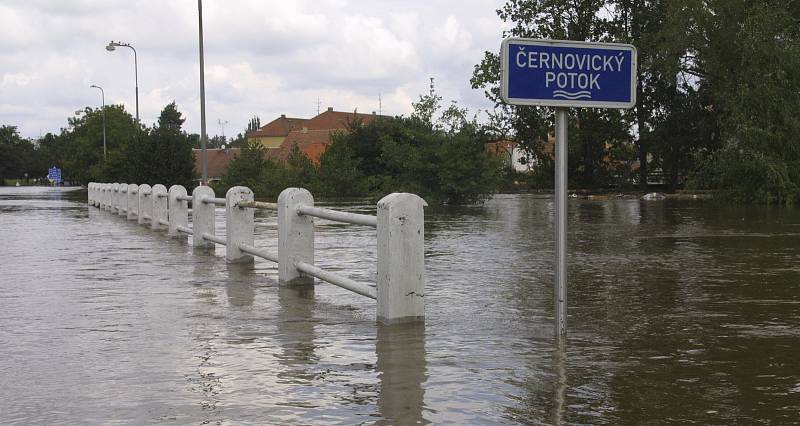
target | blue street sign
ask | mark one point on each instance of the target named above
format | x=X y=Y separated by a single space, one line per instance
x=568 y=73
x=54 y=174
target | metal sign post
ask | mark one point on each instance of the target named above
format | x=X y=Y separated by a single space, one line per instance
x=566 y=74
x=560 y=293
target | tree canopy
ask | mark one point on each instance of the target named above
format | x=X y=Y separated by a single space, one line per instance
x=717 y=99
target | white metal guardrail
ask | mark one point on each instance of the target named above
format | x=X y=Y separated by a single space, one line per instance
x=400 y=289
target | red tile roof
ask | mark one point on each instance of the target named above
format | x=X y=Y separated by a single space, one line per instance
x=218 y=161
x=331 y=120
x=501 y=146
x=280 y=126
x=311 y=142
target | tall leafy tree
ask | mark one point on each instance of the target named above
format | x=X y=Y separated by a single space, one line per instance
x=163 y=154
x=558 y=20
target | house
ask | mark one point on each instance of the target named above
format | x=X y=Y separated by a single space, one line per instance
x=516 y=157
x=272 y=134
x=314 y=136
x=218 y=161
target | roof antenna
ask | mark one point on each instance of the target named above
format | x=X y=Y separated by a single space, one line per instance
x=380 y=104
x=319 y=104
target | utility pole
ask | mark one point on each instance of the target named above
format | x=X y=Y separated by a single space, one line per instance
x=203 y=136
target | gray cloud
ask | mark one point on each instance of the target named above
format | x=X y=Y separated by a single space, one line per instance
x=262 y=57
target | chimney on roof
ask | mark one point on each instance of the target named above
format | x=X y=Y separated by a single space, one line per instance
x=330 y=109
x=374 y=113
x=283 y=115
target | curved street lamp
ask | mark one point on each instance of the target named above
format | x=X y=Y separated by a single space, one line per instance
x=103 y=95
x=112 y=45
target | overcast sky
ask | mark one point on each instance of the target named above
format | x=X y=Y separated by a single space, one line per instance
x=262 y=58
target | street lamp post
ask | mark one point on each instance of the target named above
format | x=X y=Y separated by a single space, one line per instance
x=103 y=95
x=112 y=45
x=203 y=136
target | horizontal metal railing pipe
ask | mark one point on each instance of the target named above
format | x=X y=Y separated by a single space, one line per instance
x=214 y=238
x=339 y=216
x=258 y=252
x=338 y=280
x=214 y=201
x=258 y=205
x=184 y=229
x=163 y=222
x=184 y=198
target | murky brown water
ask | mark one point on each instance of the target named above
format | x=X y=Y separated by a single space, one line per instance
x=678 y=312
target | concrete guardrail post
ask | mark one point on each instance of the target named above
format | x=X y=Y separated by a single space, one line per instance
x=104 y=204
x=133 y=201
x=295 y=236
x=202 y=217
x=239 y=224
x=178 y=210
x=145 y=204
x=114 y=197
x=159 y=198
x=123 y=199
x=89 y=193
x=401 y=258
x=101 y=196
x=109 y=196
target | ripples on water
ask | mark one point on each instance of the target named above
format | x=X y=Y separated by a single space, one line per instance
x=679 y=311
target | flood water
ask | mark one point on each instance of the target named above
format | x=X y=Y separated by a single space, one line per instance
x=679 y=311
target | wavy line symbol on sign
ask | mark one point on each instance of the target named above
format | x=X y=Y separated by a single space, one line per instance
x=583 y=94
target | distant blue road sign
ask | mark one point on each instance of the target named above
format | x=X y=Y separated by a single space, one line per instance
x=568 y=73
x=54 y=174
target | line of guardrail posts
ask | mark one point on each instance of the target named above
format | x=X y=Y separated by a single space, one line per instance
x=202 y=217
x=401 y=258
x=239 y=224
x=145 y=205
x=178 y=211
x=123 y=199
x=159 y=193
x=295 y=236
x=133 y=201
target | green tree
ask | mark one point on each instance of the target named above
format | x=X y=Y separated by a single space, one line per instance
x=746 y=57
x=559 y=20
x=340 y=170
x=163 y=153
x=247 y=169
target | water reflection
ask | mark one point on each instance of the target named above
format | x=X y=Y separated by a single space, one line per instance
x=239 y=285
x=560 y=388
x=295 y=333
x=402 y=371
